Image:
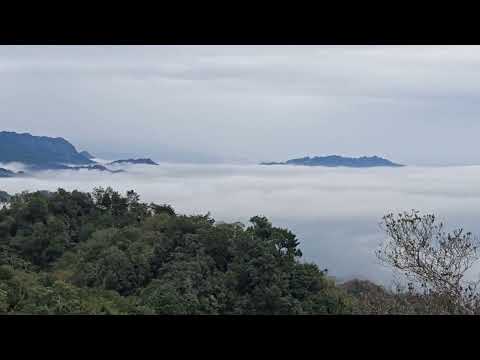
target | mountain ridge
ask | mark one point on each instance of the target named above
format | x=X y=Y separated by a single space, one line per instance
x=6 y=173
x=337 y=161
x=87 y=155
x=38 y=150
x=145 y=161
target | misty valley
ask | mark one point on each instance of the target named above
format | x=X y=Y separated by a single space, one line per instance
x=239 y=180
x=331 y=215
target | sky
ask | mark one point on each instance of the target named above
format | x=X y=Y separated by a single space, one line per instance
x=416 y=105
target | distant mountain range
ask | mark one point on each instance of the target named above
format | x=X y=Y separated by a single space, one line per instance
x=336 y=160
x=38 y=150
x=134 y=161
x=47 y=153
x=94 y=167
x=6 y=173
x=66 y=167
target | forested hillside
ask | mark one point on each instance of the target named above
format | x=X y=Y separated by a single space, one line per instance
x=104 y=253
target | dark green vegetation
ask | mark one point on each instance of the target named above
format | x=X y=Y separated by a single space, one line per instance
x=4 y=197
x=335 y=160
x=104 y=253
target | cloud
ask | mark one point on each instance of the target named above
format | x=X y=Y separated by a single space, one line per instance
x=334 y=211
x=13 y=166
x=248 y=103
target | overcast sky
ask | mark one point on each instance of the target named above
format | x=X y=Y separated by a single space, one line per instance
x=412 y=104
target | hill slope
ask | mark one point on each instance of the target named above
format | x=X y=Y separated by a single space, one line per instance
x=105 y=253
x=87 y=155
x=38 y=150
x=6 y=173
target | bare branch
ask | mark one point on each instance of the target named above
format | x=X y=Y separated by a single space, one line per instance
x=434 y=261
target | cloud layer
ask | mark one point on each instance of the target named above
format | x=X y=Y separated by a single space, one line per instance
x=334 y=211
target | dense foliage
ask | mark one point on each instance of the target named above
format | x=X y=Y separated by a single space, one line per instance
x=104 y=253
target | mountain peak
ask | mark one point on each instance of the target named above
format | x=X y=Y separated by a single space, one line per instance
x=38 y=150
x=337 y=160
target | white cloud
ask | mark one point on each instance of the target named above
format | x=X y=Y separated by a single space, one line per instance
x=13 y=166
x=334 y=212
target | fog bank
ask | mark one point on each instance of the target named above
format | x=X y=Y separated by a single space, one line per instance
x=335 y=212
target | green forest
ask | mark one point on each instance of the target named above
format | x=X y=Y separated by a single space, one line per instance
x=108 y=253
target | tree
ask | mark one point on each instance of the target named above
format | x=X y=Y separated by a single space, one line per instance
x=162 y=209
x=36 y=210
x=165 y=299
x=108 y=253
x=434 y=261
x=4 y=197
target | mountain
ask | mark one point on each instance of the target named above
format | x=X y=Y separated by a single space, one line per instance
x=134 y=161
x=65 y=167
x=95 y=167
x=6 y=173
x=336 y=160
x=38 y=150
x=87 y=155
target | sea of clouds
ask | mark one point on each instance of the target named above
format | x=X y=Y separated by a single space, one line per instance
x=335 y=212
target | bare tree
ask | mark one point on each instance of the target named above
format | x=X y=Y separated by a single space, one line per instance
x=435 y=262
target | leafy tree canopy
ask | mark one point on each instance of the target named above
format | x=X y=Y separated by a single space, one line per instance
x=108 y=253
